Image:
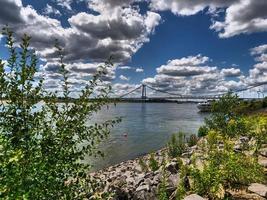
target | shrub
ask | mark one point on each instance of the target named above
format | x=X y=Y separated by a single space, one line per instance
x=192 y=141
x=203 y=131
x=225 y=117
x=264 y=102
x=143 y=165
x=153 y=163
x=224 y=169
x=40 y=147
x=176 y=147
x=162 y=193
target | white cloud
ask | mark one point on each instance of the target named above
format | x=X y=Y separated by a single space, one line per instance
x=241 y=16
x=258 y=73
x=194 y=75
x=124 y=67
x=187 y=66
x=65 y=4
x=138 y=70
x=231 y=72
x=124 y=78
x=188 y=7
x=121 y=89
x=246 y=16
x=49 y=10
x=259 y=49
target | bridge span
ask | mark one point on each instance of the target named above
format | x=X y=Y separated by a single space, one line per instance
x=175 y=97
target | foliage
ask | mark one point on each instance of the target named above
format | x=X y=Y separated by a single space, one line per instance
x=162 y=188
x=257 y=128
x=264 y=102
x=192 y=141
x=40 y=143
x=181 y=189
x=224 y=168
x=143 y=165
x=202 y=131
x=153 y=163
x=176 y=147
x=226 y=118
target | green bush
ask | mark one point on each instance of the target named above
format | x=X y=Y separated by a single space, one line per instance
x=224 y=169
x=153 y=163
x=192 y=141
x=176 y=147
x=40 y=147
x=202 y=131
x=143 y=165
x=264 y=102
x=226 y=118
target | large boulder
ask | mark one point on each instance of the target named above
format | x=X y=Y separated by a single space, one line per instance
x=262 y=161
x=172 y=167
x=263 y=152
x=194 y=197
x=259 y=189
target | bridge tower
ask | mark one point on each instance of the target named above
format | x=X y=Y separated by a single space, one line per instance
x=143 y=88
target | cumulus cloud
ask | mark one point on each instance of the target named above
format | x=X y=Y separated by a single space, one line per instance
x=240 y=16
x=246 y=16
x=231 y=72
x=194 y=75
x=188 y=7
x=124 y=67
x=117 y=32
x=49 y=10
x=139 y=70
x=188 y=66
x=121 y=89
x=258 y=73
x=65 y=4
x=96 y=37
x=124 y=78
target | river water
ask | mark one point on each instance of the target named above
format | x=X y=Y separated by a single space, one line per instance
x=148 y=127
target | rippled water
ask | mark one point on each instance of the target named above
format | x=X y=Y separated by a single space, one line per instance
x=148 y=127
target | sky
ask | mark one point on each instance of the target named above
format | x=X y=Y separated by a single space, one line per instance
x=186 y=47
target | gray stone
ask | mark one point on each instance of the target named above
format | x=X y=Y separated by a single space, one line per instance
x=173 y=180
x=143 y=187
x=259 y=189
x=194 y=197
x=263 y=152
x=243 y=139
x=262 y=161
x=186 y=161
x=172 y=167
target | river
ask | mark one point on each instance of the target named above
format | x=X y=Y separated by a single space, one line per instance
x=148 y=127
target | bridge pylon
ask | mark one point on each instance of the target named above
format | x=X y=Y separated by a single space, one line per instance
x=143 y=88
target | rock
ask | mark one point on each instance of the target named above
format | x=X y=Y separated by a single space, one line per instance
x=262 y=161
x=199 y=163
x=137 y=169
x=263 y=152
x=259 y=189
x=173 y=180
x=143 y=187
x=194 y=197
x=238 y=147
x=172 y=167
x=252 y=142
x=187 y=154
x=220 y=193
x=186 y=161
x=243 y=139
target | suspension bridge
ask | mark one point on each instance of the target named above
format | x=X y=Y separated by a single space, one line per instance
x=166 y=96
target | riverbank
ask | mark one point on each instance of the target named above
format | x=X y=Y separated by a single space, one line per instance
x=136 y=179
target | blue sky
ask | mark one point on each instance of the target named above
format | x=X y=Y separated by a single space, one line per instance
x=188 y=47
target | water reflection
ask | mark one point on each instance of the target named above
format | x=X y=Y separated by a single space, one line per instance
x=148 y=127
